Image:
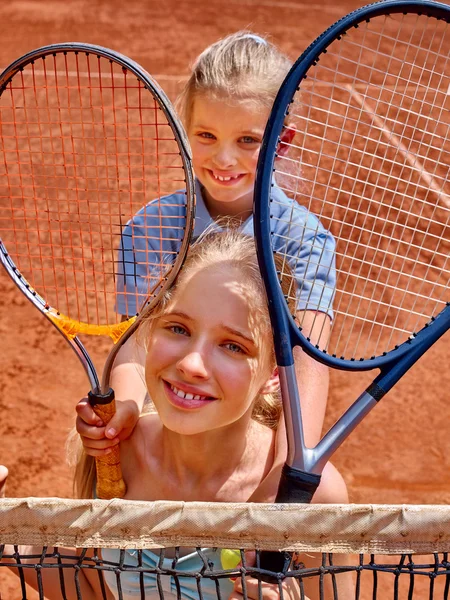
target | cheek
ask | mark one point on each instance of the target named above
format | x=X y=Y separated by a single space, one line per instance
x=253 y=160
x=199 y=151
x=160 y=353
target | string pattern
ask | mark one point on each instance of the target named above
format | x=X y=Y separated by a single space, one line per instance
x=84 y=146
x=370 y=159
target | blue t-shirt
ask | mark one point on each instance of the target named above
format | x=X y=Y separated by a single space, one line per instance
x=297 y=233
x=191 y=563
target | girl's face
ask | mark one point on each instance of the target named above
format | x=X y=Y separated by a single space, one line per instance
x=208 y=358
x=226 y=138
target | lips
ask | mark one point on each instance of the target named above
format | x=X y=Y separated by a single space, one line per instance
x=225 y=179
x=186 y=400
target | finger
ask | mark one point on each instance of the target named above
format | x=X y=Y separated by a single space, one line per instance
x=123 y=421
x=269 y=591
x=250 y=558
x=92 y=432
x=99 y=444
x=86 y=413
x=3 y=478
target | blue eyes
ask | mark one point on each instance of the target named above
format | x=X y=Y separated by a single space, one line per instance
x=231 y=346
x=178 y=330
x=246 y=139
x=234 y=348
x=249 y=140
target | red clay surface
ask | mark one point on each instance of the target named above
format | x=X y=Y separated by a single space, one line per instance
x=400 y=454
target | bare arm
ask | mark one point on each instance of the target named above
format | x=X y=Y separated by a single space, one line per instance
x=128 y=374
x=312 y=377
x=128 y=383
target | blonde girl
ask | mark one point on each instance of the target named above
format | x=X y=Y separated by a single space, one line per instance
x=211 y=373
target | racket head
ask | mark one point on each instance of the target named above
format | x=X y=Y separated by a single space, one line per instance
x=369 y=106
x=87 y=139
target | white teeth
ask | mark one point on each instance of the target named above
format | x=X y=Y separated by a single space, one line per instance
x=222 y=178
x=182 y=394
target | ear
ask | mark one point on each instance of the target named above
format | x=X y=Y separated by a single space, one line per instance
x=272 y=384
x=286 y=137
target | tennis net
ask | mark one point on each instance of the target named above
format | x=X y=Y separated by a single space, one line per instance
x=175 y=550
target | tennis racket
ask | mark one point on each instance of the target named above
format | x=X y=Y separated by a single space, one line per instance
x=365 y=232
x=87 y=140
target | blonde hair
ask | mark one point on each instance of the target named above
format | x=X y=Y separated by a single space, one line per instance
x=241 y=66
x=224 y=249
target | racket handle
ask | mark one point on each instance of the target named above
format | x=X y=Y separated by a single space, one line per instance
x=295 y=486
x=110 y=483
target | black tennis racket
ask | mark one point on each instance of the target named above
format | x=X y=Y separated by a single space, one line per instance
x=369 y=102
x=87 y=140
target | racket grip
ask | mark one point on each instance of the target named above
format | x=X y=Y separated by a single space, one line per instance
x=295 y=486
x=110 y=483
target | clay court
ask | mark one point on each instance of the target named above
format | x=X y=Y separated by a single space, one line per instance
x=398 y=455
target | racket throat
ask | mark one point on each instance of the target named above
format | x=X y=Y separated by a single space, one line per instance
x=343 y=427
x=313 y=460
x=297 y=450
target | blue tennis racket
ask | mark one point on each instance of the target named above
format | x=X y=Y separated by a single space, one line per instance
x=358 y=206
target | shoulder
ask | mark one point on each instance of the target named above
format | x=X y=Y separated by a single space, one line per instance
x=143 y=440
x=273 y=461
x=283 y=206
x=171 y=205
x=289 y=214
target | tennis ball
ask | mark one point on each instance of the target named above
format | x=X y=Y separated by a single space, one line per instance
x=230 y=558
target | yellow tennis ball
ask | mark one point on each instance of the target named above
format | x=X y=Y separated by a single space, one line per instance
x=230 y=558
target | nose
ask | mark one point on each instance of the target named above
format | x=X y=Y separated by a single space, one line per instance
x=224 y=156
x=193 y=365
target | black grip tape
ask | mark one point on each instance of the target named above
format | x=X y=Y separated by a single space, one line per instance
x=295 y=486
x=101 y=398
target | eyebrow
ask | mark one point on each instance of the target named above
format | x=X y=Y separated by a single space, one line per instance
x=230 y=330
x=238 y=333
x=243 y=132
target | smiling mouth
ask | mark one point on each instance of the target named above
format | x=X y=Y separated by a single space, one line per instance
x=187 y=396
x=226 y=178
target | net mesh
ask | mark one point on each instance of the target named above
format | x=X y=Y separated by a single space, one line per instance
x=175 y=549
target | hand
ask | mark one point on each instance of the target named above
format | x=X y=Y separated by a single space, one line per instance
x=3 y=478
x=98 y=439
x=269 y=591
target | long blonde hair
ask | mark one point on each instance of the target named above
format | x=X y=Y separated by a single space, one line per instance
x=228 y=248
x=241 y=66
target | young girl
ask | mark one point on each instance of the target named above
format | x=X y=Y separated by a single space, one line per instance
x=211 y=373
x=225 y=106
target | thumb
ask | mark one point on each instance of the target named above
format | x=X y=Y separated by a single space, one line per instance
x=3 y=478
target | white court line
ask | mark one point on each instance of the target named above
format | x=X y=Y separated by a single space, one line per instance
x=409 y=156
x=332 y=10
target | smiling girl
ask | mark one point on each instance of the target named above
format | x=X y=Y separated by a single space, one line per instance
x=217 y=433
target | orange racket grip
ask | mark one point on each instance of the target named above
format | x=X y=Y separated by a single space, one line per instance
x=110 y=483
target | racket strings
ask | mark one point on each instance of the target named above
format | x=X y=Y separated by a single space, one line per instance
x=369 y=161
x=84 y=145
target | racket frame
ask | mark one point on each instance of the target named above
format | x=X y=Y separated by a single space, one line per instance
x=393 y=364
x=110 y=483
x=164 y=103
